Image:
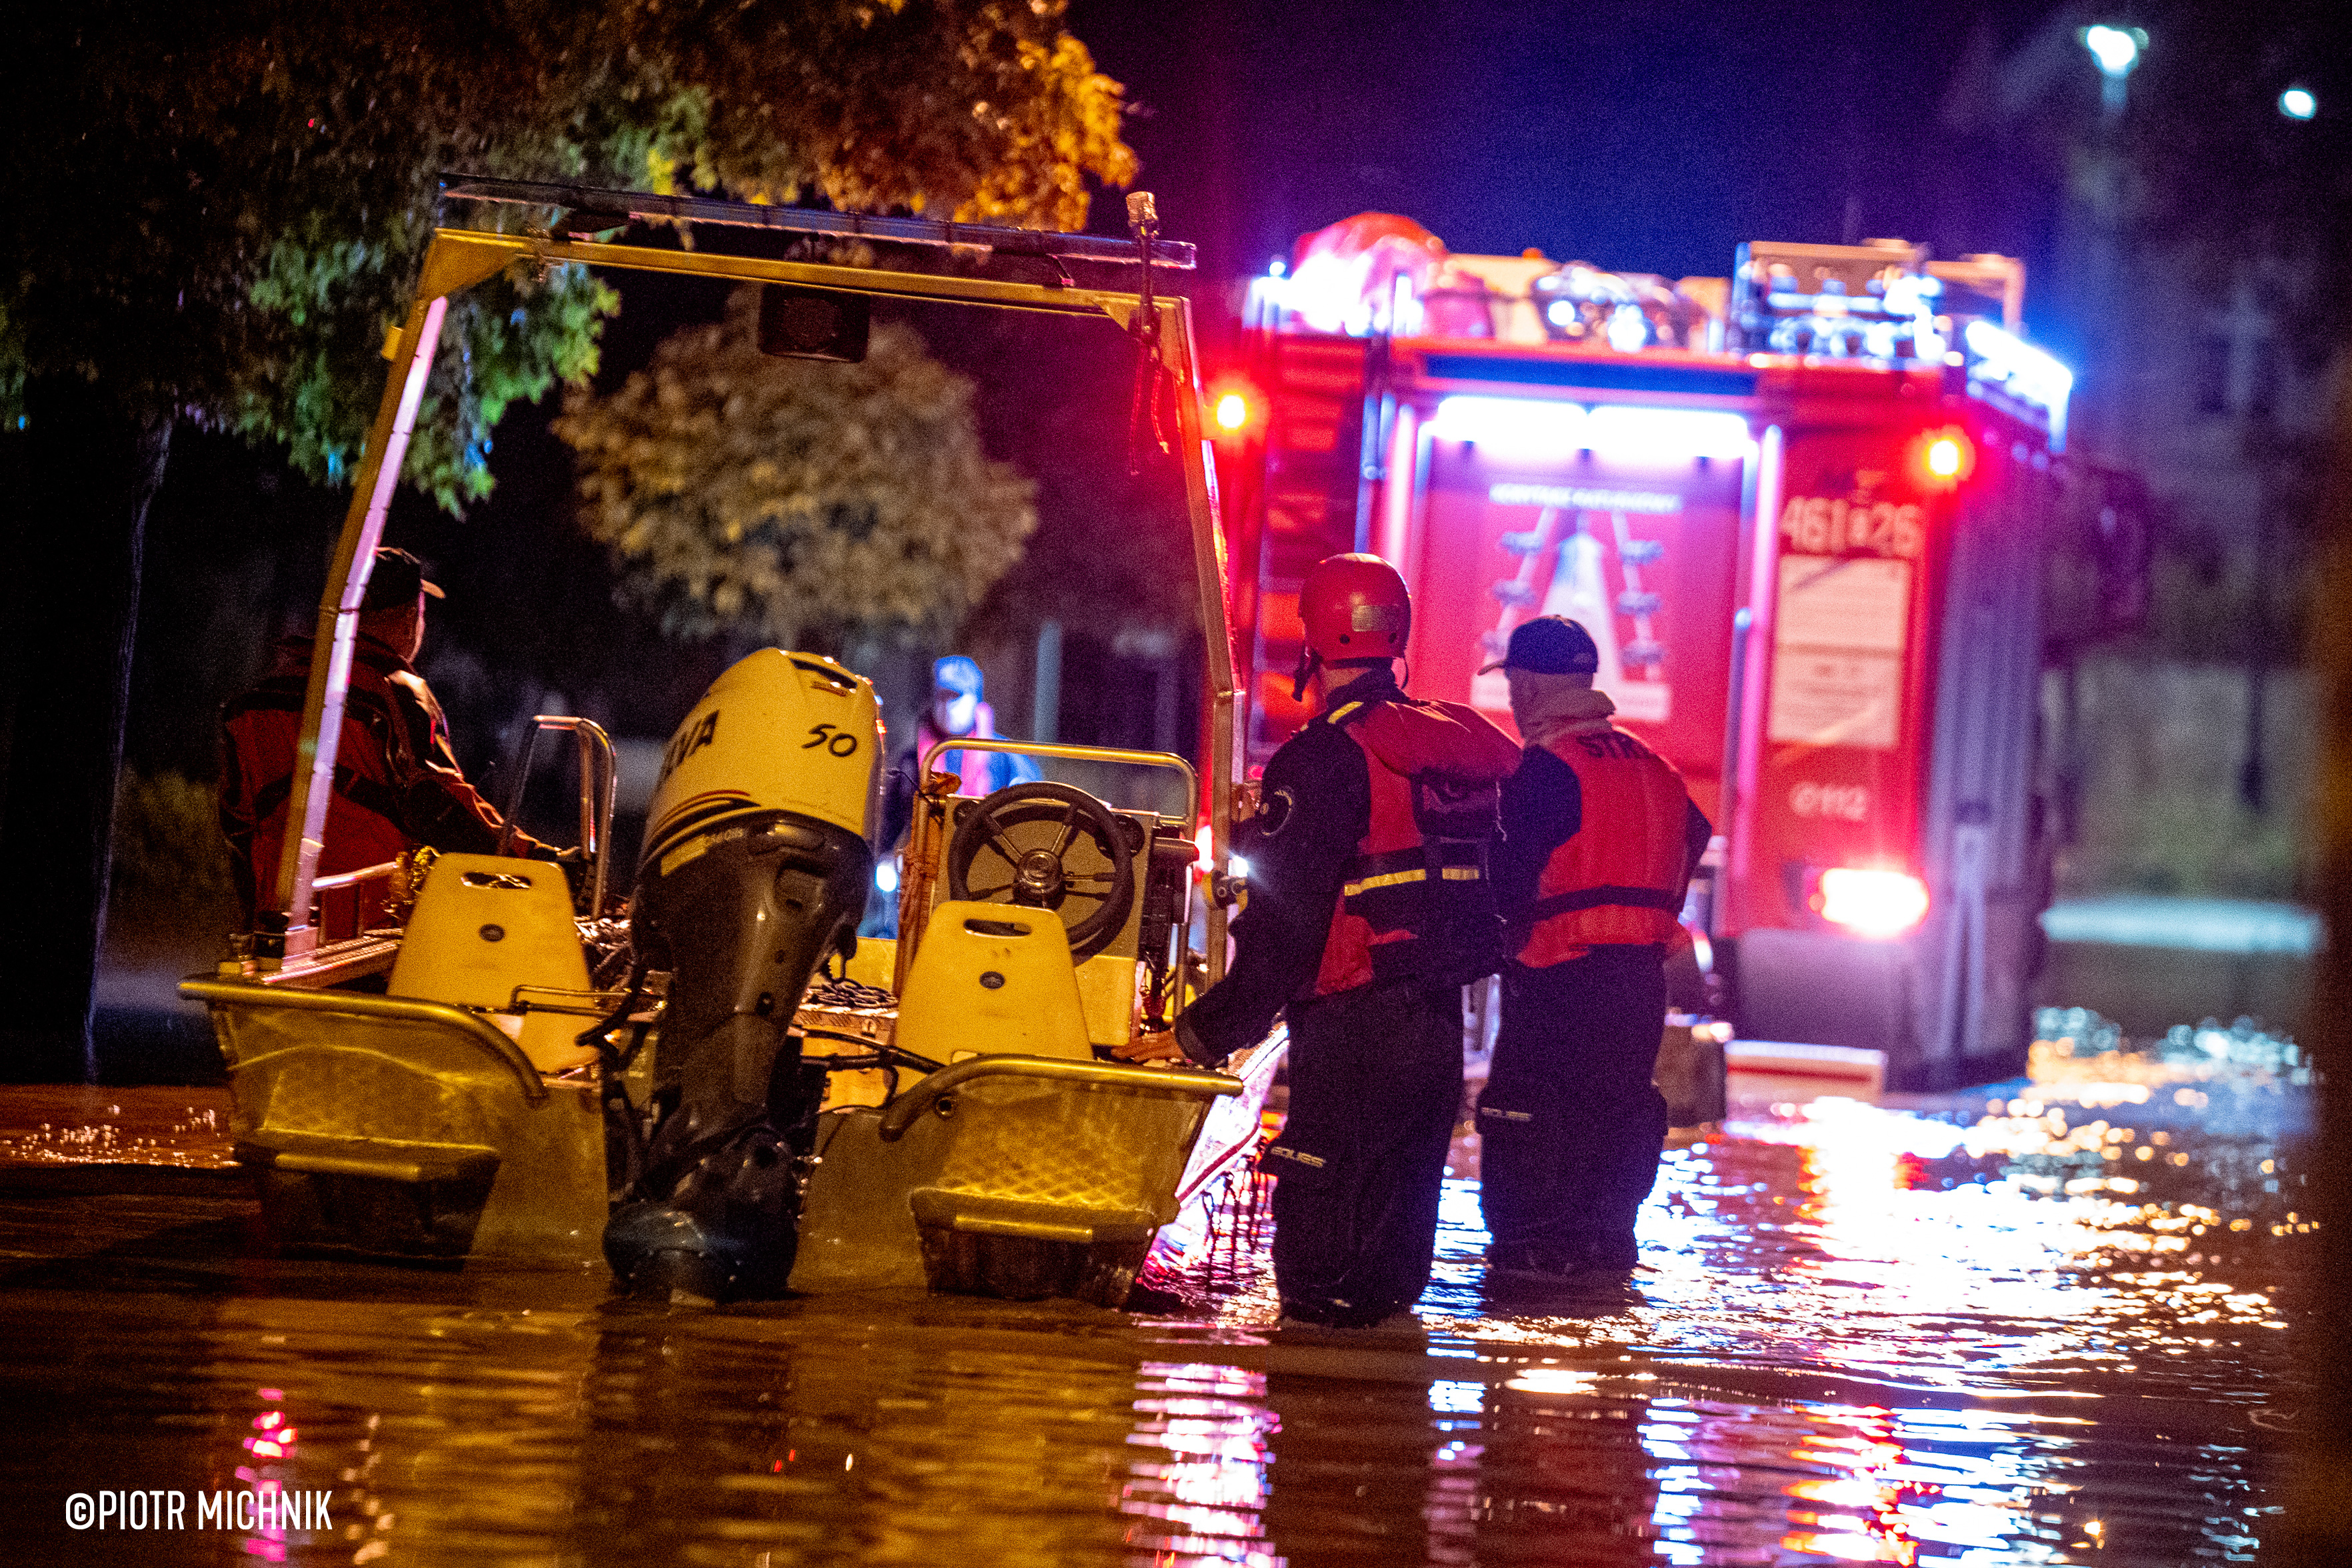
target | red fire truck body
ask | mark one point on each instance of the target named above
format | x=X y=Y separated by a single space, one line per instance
x=1813 y=574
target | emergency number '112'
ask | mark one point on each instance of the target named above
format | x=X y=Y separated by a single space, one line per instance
x=1815 y=525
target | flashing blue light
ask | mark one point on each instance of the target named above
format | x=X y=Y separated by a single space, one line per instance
x=1278 y=268
x=2011 y=365
x=1629 y=329
x=886 y=876
x=2298 y=103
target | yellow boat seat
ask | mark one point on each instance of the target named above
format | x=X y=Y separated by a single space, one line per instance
x=485 y=924
x=993 y=979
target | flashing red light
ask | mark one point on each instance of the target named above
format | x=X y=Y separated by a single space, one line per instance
x=1944 y=457
x=1237 y=412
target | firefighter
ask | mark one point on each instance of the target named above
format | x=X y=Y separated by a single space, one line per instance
x=959 y=708
x=1368 y=911
x=1600 y=840
x=397 y=784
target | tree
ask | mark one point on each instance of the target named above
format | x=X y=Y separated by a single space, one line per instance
x=800 y=501
x=214 y=213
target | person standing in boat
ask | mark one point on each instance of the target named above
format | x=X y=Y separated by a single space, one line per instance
x=1600 y=840
x=1368 y=911
x=959 y=709
x=397 y=784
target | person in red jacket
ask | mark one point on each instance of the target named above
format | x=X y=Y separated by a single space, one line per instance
x=397 y=784
x=1600 y=840
x=1369 y=909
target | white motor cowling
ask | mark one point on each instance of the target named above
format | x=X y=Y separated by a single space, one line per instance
x=755 y=866
x=778 y=731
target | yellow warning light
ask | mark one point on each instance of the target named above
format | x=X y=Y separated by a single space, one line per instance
x=1943 y=457
x=1232 y=412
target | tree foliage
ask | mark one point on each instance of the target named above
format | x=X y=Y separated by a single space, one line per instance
x=220 y=209
x=802 y=500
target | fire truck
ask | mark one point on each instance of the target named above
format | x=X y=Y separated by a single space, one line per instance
x=1803 y=510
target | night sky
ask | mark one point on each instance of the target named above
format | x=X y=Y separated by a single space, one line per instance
x=1641 y=138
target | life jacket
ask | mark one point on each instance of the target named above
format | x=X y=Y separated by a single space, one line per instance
x=1620 y=879
x=383 y=785
x=1416 y=904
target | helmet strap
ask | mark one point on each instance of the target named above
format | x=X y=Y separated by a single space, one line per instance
x=1309 y=662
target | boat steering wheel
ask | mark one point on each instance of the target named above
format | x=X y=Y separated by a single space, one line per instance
x=1014 y=848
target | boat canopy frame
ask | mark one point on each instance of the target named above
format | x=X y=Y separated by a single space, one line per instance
x=460 y=258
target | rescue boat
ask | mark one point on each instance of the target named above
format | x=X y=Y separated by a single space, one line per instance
x=715 y=1089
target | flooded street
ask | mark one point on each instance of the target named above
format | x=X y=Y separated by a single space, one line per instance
x=2045 y=1324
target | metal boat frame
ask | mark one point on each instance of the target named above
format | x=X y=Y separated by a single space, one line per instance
x=418 y=1128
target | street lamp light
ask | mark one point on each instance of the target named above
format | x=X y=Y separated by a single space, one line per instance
x=2298 y=103
x=2117 y=50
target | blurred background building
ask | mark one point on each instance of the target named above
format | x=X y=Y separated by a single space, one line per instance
x=2193 y=162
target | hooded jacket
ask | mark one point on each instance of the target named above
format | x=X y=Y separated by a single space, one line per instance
x=1600 y=837
x=976 y=773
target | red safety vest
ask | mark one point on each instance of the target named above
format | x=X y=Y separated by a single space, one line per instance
x=393 y=741
x=1620 y=879
x=1415 y=903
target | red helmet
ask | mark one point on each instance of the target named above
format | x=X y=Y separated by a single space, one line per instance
x=1355 y=607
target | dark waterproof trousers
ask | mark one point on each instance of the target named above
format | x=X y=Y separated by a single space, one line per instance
x=1569 y=1126
x=1375 y=1084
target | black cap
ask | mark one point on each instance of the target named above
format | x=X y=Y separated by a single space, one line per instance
x=395 y=582
x=1550 y=645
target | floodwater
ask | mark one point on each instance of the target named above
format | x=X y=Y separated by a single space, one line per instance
x=2049 y=1323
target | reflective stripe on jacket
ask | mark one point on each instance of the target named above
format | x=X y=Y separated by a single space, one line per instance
x=1620 y=879
x=1414 y=902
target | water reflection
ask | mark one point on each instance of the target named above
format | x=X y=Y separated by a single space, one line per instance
x=1987 y=1332
x=1200 y=1479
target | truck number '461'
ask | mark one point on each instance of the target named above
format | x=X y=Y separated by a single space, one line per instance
x=1816 y=525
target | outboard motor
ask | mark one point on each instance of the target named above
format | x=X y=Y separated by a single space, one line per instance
x=755 y=866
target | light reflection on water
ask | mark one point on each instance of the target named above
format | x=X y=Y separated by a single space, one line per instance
x=1980 y=1336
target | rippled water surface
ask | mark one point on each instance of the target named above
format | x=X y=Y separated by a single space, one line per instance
x=2047 y=1324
